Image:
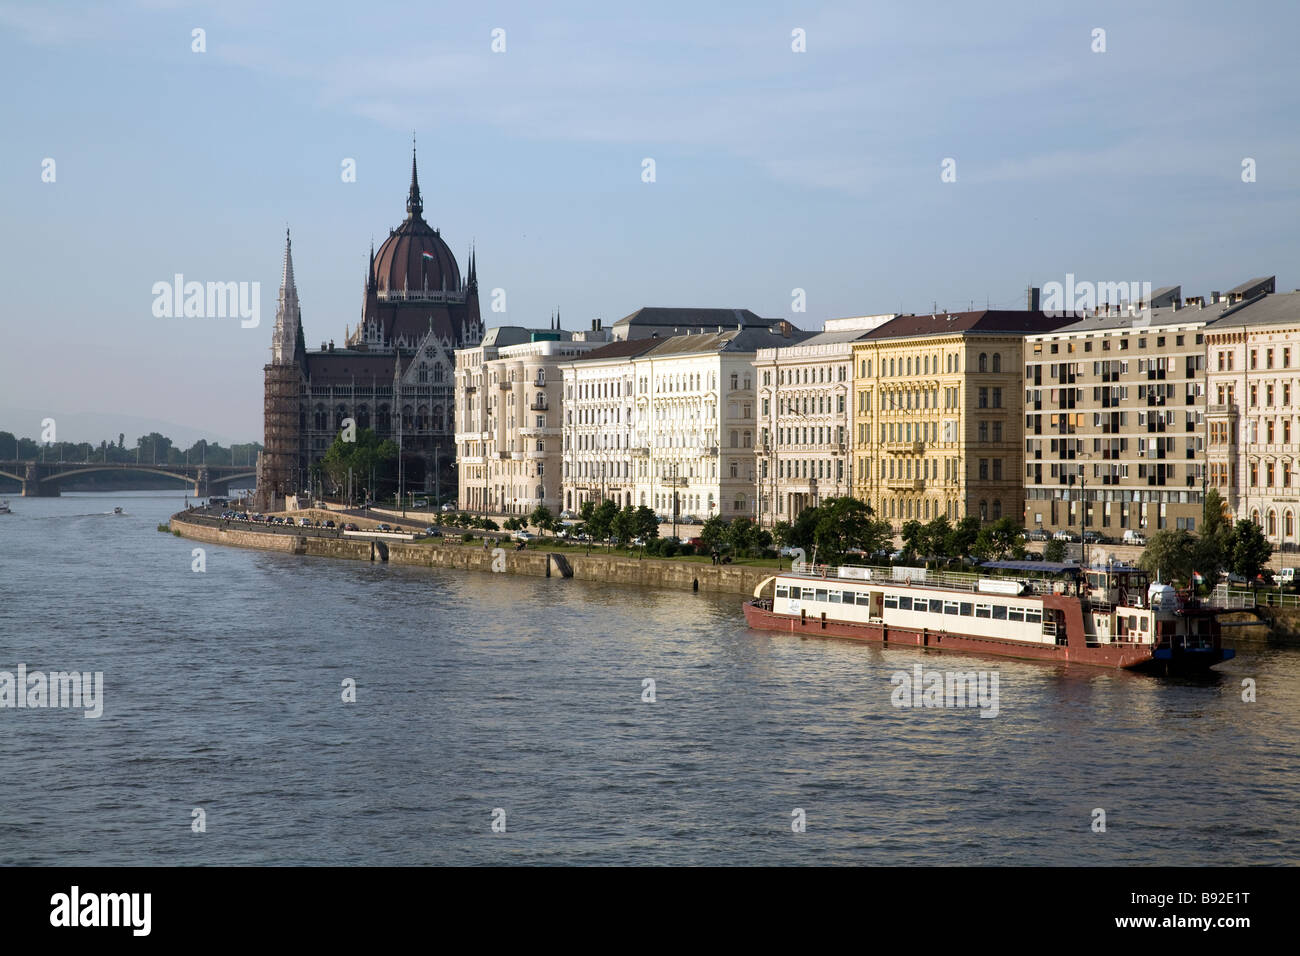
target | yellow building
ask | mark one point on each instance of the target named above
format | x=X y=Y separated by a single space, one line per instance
x=939 y=416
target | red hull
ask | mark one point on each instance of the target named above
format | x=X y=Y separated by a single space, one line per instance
x=1114 y=656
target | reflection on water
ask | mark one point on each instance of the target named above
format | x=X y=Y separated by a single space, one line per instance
x=476 y=691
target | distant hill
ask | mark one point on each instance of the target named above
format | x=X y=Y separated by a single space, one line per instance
x=95 y=427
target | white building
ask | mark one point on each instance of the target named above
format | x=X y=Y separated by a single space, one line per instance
x=1253 y=414
x=508 y=415
x=805 y=418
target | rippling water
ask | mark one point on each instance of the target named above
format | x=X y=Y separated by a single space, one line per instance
x=476 y=692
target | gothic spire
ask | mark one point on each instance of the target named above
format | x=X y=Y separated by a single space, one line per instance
x=414 y=205
x=288 y=317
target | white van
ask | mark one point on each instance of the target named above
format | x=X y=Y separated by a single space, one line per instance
x=1134 y=537
x=1287 y=576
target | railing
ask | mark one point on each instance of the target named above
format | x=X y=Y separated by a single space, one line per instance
x=1222 y=597
x=420 y=295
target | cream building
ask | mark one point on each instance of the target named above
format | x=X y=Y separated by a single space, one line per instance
x=805 y=419
x=508 y=415
x=681 y=430
x=938 y=415
x=1253 y=414
x=597 y=436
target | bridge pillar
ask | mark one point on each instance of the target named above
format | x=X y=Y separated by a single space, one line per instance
x=34 y=486
x=202 y=482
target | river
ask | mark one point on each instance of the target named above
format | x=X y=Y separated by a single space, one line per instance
x=478 y=693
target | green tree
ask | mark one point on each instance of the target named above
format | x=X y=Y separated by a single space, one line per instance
x=847 y=524
x=962 y=540
x=1169 y=555
x=647 y=524
x=713 y=532
x=1054 y=551
x=1215 y=540
x=542 y=519
x=587 y=509
x=937 y=537
x=367 y=452
x=1005 y=535
x=781 y=533
x=1249 y=550
x=624 y=525
x=913 y=535
x=601 y=523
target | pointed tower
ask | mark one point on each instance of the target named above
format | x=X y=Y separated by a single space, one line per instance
x=288 y=316
x=414 y=205
x=280 y=471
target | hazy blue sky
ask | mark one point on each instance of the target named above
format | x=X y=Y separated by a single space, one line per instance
x=775 y=170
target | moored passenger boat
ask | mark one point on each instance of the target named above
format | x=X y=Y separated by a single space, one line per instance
x=1105 y=616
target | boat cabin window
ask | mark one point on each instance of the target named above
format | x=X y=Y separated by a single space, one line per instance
x=1132 y=622
x=967 y=609
x=1144 y=623
x=835 y=597
x=864 y=598
x=905 y=604
x=950 y=607
x=936 y=606
x=999 y=612
x=891 y=600
x=821 y=594
x=1033 y=616
x=983 y=610
x=782 y=591
x=1015 y=614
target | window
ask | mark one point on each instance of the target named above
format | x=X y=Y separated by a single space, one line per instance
x=983 y=362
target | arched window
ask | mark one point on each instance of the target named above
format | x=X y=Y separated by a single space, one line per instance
x=984 y=362
x=363 y=416
x=340 y=413
x=322 y=419
x=383 y=420
x=437 y=373
x=1272 y=524
x=422 y=374
x=984 y=511
x=1288 y=523
x=997 y=508
x=997 y=362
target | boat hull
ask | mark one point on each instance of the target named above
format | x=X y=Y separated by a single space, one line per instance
x=1127 y=656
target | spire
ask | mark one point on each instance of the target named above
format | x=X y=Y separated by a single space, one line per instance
x=414 y=206
x=288 y=317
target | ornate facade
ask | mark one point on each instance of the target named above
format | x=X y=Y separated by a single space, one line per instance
x=395 y=373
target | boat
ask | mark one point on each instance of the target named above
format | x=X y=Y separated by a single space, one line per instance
x=5 y=509
x=1109 y=616
x=117 y=511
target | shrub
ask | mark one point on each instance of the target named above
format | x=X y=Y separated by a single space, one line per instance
x=670 y=549
x=466 y=538
x=686 y=550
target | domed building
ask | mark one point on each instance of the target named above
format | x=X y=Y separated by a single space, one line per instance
x=394 y=373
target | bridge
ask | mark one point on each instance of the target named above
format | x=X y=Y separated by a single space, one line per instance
x=41 y=479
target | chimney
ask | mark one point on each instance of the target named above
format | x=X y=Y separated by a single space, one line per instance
x=1214 y=297
x=593 y=325
x=1033 y=298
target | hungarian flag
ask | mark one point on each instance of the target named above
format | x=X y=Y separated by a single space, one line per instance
x=1197 y=578
x=427 y=255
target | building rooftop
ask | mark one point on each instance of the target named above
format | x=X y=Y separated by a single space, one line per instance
x=1277 y=309
x=731 y=340
x=981 y=321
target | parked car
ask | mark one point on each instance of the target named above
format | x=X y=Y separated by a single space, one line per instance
x=329 y=523
x=523 y=536
x=433 y=532
x=1134 y=537
x=789 y=552
x=1065 y=535
x=304 y=522
x=1036 y=534
x=383 y=527
x=1094 y=537
x=638 y=542
x=349 y=526
x=1033 y=556
x=696 y=542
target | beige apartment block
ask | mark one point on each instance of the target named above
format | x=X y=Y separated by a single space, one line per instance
x=938 y=415
x=1253 y=414
x=508 y=415
x=1114 y=417
x=805 y=419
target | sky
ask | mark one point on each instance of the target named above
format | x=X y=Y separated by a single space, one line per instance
x=1113 y=157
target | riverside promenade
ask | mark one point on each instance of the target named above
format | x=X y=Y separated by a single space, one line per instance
x=498 y=557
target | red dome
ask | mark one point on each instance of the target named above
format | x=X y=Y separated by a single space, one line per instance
x=401 y=263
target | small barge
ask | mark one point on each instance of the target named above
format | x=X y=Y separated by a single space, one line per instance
x=1103 y=616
